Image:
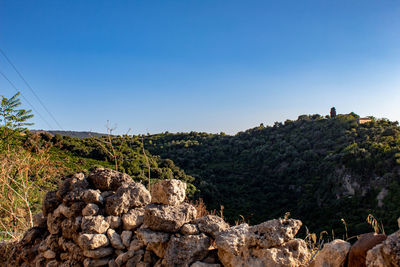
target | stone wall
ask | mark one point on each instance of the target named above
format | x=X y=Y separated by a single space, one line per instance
x=106 y=219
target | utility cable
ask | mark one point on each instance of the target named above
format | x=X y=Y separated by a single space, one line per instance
x=30 y=88
x=26 y=100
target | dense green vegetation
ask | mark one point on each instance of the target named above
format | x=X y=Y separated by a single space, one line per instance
x=320 y=169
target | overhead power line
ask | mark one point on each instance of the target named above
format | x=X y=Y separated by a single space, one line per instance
x=26 y=100
x=30 y=88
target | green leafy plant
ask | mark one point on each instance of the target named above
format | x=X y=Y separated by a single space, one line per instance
x=12 y=119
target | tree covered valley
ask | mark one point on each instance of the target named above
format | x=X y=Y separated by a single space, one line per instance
x=329 y=172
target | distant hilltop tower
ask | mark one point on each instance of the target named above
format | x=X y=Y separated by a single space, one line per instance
x=333 y=112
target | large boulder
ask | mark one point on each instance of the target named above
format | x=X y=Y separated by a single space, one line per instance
x=267 y=244
x=385 y=254
x=184 y=250
x=168 y=218
x=293 y=253
x=333 y=254
x=128 y=196
x=274 y=232
x=212 y=225
x=168 y=192
x=358 y=251
x=107 y=179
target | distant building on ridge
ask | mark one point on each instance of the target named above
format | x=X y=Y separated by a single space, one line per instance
x=363 y=120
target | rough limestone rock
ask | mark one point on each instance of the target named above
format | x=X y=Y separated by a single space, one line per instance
x=358 y=251
x=212 y=225
x=92 y=241
x=267 y=244
x=98 y=253
x=190 y=229
x=115 y=239
x=128 y=196
x=95 y=262
x=94 y=224
x=126 y=238
x=168 y=218
x=90 y=210
x=133 y=219
x=54 y=223
x=275 y=232
x=50 y=202
x=333 y=254
x=292 y=253
x=114 y=221
x=235 y=239
x=75 y=183
x=39 y=220
x=124 y=257
x=107 y=179
x=155 y=241
x=385 y=254
x=63 y=210
x=168 y=192
x=107 y=220
x=136 y=244
x=204 y=264
x=182 y=251
x=92 y=196
x=70 y=227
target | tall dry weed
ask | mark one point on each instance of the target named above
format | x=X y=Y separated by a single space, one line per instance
x=24 y=177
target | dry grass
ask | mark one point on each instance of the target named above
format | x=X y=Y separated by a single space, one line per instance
x=375 y=224
x=202 y=209
x=24 y=176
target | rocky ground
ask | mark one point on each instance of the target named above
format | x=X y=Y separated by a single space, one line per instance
x=106 y=219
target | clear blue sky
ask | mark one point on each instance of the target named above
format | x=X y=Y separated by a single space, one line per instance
x=208 y=65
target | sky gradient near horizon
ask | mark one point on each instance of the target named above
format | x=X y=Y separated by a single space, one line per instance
x=155 y=66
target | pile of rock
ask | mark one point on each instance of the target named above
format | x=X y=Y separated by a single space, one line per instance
x=106 y=219
x=370 y=250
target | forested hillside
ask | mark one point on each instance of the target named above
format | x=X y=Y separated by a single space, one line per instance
x=319 y=169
